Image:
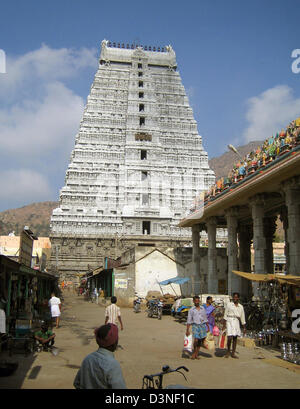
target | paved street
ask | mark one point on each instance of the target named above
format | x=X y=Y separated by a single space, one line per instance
x=146 y=345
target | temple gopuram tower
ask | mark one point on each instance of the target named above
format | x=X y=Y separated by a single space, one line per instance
x=137 y=164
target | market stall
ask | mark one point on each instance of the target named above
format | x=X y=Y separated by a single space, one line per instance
x=269 y=316
x=25 y=293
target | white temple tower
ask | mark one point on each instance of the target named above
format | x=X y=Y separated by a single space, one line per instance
x=137 y=164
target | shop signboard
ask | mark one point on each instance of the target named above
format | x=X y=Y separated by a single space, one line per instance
x=26 y=247
x=121 y=283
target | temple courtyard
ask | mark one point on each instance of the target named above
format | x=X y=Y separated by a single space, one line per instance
x=146 y=344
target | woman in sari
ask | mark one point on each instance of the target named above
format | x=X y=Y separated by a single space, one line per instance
x=210 y=313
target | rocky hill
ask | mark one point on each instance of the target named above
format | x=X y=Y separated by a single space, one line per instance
x=35 y=215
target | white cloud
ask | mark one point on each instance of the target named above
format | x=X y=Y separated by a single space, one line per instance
x=35 y=128
x=23 y=185
x=39 y=118
x=270 y=111
x=43 y=65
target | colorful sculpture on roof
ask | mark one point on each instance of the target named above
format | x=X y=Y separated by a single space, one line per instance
x=271 y=149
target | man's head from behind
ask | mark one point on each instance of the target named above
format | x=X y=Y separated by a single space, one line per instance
x=113 y=300
x=107 y=337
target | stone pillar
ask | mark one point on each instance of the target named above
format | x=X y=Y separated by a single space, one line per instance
x=234 y=281
x=284 y=219
x=257 y=204
x=195 y=287
x=212 y=278
x=291 y=189
x=269 y=231
x=245 y=236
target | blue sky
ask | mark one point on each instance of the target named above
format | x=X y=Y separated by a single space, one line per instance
x=234 y=58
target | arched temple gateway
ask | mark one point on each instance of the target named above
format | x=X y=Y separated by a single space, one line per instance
x=137 y=163
x=259 y=188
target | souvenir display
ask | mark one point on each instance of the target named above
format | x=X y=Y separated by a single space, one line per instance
x=290 y=352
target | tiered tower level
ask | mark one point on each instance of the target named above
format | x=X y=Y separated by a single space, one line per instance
x=137 y=165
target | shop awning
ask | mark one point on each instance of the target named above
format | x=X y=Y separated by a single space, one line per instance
x=288 y=279
x=81 y=274
x=175 y=280
x=27 y=270
x=98 y=270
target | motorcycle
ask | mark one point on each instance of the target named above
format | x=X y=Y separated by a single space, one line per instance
x=155 y=308
x=149 y=381
x=137 y=304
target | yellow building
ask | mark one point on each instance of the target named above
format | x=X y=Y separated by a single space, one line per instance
x=10 y=247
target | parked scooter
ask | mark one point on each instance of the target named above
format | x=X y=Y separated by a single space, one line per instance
x=160 y=305
x=137 y=304
x=181 y=311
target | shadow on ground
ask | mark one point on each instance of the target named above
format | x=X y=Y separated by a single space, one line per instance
x=15 y=381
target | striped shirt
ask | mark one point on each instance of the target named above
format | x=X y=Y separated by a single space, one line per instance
x=112 y=312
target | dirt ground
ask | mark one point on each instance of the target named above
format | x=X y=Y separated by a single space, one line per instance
x=146 y=345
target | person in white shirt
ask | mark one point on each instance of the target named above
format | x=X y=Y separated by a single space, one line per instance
x=234 y=316
x=113 y=313
x=55 y=306
x=96 y=295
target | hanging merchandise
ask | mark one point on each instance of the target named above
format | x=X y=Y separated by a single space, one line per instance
x=291 y=352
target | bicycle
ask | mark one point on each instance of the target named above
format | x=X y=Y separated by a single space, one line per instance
x=149 y=381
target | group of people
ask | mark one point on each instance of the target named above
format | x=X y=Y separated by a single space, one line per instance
x=201 y=319
x=100 y=370
x=92 y=295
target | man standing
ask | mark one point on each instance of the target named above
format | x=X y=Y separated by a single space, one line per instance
x=234 y=316
x=100 y=370
x=113 y=313
x=198 y=319
x=55 y=306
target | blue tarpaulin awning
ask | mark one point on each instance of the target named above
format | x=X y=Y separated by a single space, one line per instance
x=175 y=280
